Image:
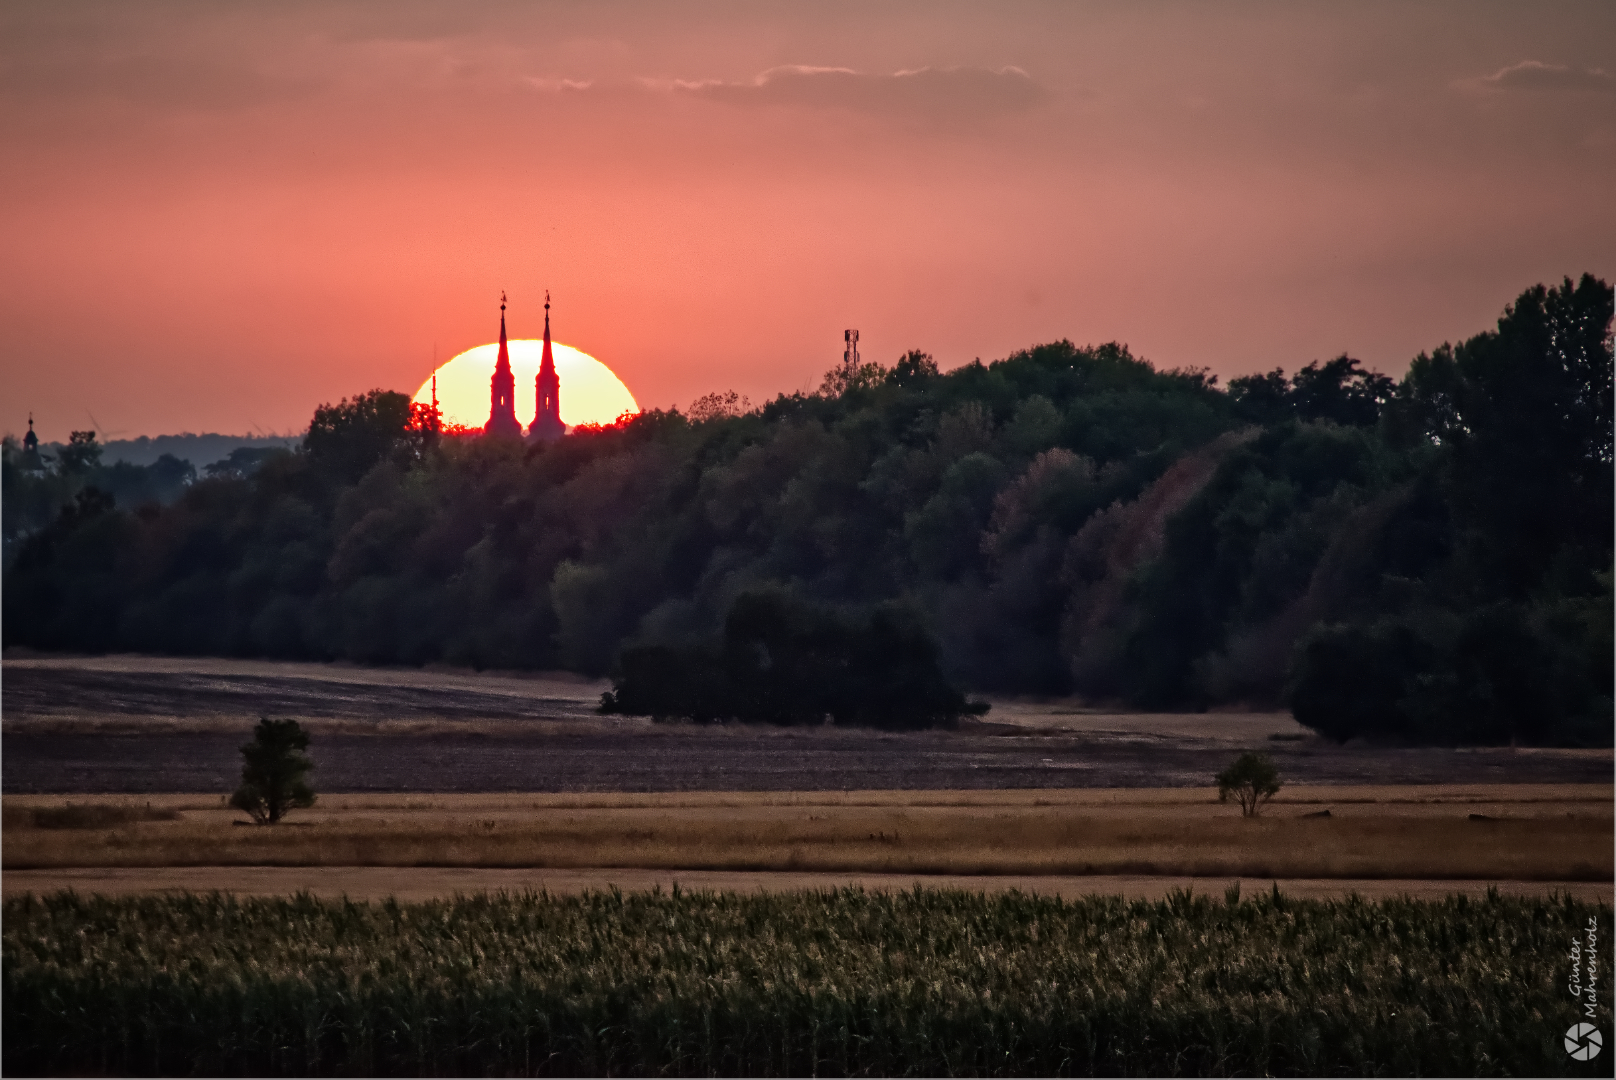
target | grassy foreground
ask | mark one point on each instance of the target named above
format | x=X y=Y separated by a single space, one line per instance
x=1506 y=832
x=843 y=982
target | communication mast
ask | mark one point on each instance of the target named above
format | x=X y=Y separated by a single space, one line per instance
x=850 y=357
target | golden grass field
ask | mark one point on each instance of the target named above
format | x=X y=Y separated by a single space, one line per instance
x=1516 y=832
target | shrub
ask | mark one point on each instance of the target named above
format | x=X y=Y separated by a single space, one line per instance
x=1252 y=780
x=85 y=816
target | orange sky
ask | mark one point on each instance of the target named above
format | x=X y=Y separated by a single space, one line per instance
x=214 y=217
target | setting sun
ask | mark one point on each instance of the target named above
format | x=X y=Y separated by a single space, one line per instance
x=590 y=392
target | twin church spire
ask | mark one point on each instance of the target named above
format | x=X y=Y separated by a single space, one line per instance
x=502 y=407
x=547 y=423
x=502 y=420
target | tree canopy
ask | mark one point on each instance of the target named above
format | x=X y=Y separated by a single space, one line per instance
x=1425 y=559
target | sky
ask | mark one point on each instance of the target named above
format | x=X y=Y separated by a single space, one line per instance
x=217 y=216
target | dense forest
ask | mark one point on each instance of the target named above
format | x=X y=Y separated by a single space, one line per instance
x=1428 y=560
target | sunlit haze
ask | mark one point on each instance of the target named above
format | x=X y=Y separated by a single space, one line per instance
x=216 y=217
x=590 y=393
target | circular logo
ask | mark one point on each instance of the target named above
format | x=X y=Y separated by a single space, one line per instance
x=1583 y=1041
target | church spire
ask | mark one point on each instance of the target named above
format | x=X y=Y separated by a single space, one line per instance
x=547 y=423
x=504 y=362
x=502 y=391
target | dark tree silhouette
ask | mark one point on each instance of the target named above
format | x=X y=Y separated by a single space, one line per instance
x=913 y=368
x=81 y=454
x=1262 y=398
x=273 y=770
x=1338 y=390
x=243 y=461
x=346 y=439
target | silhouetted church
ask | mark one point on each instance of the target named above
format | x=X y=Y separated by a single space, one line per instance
x=502 y=420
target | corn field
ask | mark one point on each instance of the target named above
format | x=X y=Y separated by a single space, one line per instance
x=829 y=983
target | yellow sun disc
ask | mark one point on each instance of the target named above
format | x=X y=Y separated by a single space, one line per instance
x=590 y=392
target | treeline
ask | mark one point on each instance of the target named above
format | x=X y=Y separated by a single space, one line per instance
x=38 y=483
x=1426 y=559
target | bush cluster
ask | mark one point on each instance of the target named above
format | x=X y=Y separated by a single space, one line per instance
x=786 y=662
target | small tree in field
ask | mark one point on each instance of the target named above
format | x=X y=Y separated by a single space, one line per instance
x=272 y=771
x=1252 y=780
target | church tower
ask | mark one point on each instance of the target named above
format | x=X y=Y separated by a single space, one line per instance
x=32 y=460
x=547 y=424
x=502 y=399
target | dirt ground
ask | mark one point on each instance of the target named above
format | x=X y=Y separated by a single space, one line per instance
x=417 y=884
x=144 y=725
x=442 y=781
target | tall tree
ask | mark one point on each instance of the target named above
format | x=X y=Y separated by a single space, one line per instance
x=1527 y=412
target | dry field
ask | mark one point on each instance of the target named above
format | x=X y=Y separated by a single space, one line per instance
x=1541 y=833
x=139 y=725
x=133 y=694
x=446 y=781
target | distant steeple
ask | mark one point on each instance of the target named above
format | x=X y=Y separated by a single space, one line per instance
x=547 y=423
x=31 y=460
x=502 y=397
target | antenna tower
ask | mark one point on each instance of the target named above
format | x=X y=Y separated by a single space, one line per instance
x=850 y=357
